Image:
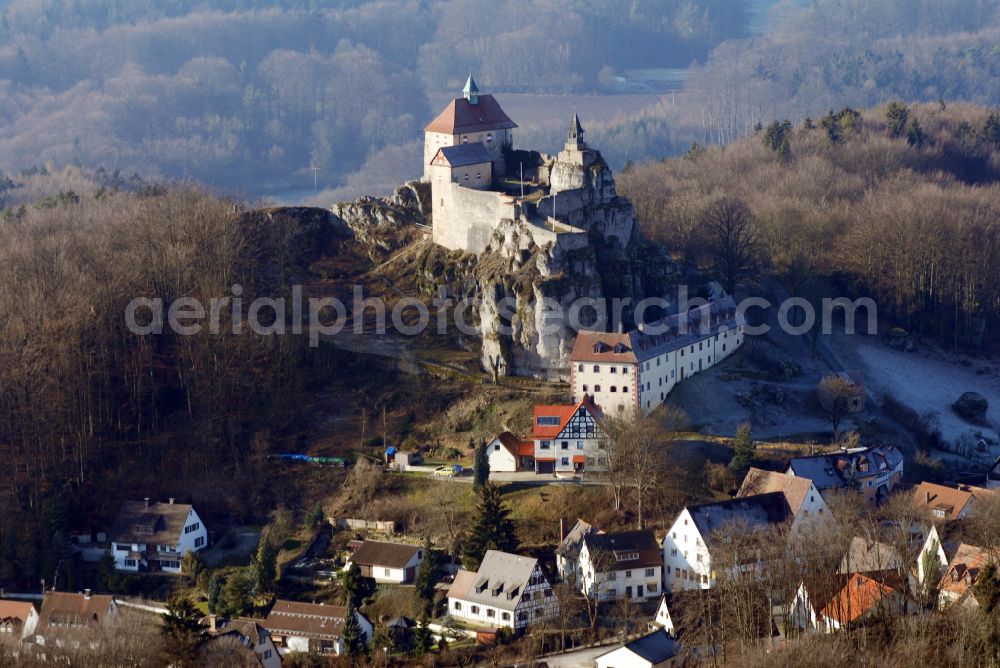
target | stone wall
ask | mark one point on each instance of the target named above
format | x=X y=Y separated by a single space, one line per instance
x=465 y=219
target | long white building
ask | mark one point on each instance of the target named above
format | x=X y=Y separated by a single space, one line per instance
x=635 y=371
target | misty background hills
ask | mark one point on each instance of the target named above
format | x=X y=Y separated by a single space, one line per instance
x=268 y=97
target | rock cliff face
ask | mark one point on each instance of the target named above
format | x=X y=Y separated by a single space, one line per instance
x=527 y=284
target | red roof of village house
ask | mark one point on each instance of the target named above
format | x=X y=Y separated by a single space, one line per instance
x=564 y=413
x=460 y=116
x=856 y=599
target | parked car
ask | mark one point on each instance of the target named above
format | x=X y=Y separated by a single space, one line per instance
x=444 y=471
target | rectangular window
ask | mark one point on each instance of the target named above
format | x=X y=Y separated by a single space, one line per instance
x=474 y=610
x=564 y=445
x=650 y=572
x=490 y=612
x=579 y=445
x=388 y=572
x=505 y=616
x=458 y=605
x=565 y=461
x=199 y=541
x=548 y=421
x=545 y=445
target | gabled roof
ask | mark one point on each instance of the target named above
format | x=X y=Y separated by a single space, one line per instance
x=310 y=620
x=856 y=599
x=655 y=647
x=153 y=524
x=569 y=547
x=19 y=610
x=563 y=412
x=250 y=629
x=625 y=550
x=65 y=608
x=960 y=577
x=866 y=556
x=462 y=155
x=837 y=469
x=941 y=501
x=385 y=554
x=759 y=481
x=652 y=340
x=752 y=513
x=461 y=117
x=500 y=581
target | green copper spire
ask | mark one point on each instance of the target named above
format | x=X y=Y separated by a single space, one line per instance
x=471 y=90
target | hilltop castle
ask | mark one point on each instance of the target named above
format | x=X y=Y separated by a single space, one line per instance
x=479 y=181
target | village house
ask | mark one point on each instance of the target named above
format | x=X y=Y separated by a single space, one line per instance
x=156 y=536
x=250 y=634
x=18 y=620
x=699 y=532
x=507 y=453
x=395 y=563
x=632 y=373
x=568 y=437
x=65 y=611
x=957 y=585
x=944 y=504
x=611 y=566
x=858 y=598
x=508 y=590
x=804 y=500
x=311 y=627
x=874 y=471
x=872 y=558
x=651 y=650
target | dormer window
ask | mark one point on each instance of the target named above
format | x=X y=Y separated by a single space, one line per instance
x=619 y=348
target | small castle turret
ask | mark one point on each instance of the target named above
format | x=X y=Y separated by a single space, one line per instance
x=471 y=90
x=575 y=139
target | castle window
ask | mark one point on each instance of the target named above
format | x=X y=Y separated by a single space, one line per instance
x=614 y=389
x=584 y=388
x=614 y=369
x=597 y=367
x=597 y=388
x=580 y=368
x=625 y=389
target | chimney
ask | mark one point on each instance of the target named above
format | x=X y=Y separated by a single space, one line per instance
x=927 y=497
x=86 y=593
x=171 y=500
x=211 y=623
x=146 y=499
x=563 y=530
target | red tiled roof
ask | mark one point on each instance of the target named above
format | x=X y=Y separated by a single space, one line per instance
x=19 y=610
x=460 y=117
x=516 y=446
x=579 y=459
x=949 y=501
x=856 y=599
x=585 y=349
x=67 y=608
x=564 y=413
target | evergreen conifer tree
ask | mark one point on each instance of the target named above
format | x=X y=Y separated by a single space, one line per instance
x=493 y=529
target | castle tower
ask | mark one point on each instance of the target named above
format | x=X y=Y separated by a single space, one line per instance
x=471 y=90
x=575 y=140
x=470 y=119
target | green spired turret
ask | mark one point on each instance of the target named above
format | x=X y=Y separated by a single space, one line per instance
x=471 y=90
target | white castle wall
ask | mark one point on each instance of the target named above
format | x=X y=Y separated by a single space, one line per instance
x=464 y=219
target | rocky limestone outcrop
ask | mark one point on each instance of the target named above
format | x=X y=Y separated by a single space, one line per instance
x=515 y=278
x=378 y=221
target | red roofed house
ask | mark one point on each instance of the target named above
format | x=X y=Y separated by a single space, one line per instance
x=509 y=453
x=18 y=619
x=67 y=611
x=567 y=437
x=860 y=598
x=957 y=586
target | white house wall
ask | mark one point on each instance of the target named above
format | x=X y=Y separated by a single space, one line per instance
x=649 y=382
x=687 y=563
